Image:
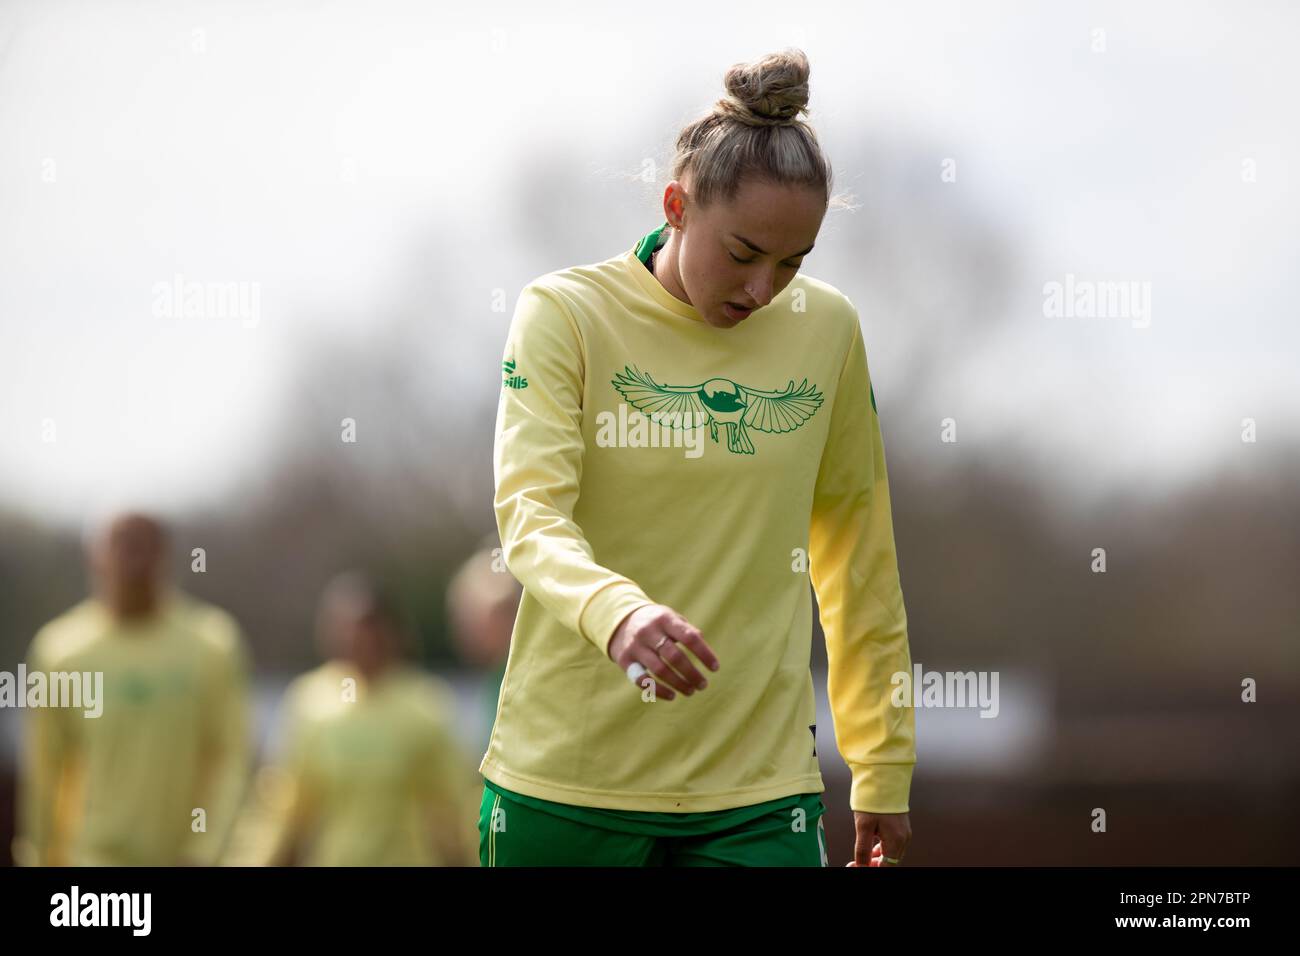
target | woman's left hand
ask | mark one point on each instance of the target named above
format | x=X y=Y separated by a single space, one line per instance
x=881 y=838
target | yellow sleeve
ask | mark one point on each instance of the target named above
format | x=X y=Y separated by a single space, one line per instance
x=226 y=750
x=276 y=814
x=45 y=814
x=537 y=463
x=854 y=570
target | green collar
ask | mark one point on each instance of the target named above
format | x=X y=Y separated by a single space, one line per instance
x=646 y=247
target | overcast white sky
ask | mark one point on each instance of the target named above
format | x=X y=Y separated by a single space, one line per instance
x=324 y=150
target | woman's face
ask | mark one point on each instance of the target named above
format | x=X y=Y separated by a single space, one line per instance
x=739 y=255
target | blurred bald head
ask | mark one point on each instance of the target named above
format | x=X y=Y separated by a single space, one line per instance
x=127 y=557
x=482 y=602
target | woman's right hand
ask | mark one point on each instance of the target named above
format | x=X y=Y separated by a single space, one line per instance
x=646 y=628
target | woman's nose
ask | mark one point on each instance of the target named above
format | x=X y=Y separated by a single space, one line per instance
x=760 y=290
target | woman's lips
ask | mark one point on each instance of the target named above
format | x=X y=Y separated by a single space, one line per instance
x=738 y=312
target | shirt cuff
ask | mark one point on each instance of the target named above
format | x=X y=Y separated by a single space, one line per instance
x=606 y=609
x=880 y=787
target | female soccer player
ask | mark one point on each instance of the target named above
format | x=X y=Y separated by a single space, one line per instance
x=686 y=435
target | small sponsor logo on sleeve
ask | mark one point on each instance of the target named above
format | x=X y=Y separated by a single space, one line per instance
x=510 y=379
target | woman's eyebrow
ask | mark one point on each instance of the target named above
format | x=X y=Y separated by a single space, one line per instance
x=763 y=253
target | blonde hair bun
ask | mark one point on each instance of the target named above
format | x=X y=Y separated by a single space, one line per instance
x=771 y=91
x=754 y=131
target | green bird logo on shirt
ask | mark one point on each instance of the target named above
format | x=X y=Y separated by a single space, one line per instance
x=722 y=402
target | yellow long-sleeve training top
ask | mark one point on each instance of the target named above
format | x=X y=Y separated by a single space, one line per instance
x=369 y=773
x=643 y=456
x=123 y=788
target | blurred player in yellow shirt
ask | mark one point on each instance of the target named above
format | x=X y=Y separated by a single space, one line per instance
x=370 y=771
x=157 y=777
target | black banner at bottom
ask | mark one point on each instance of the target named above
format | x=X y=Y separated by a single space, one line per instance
x=385 y=906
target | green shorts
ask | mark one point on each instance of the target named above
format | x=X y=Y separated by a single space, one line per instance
x=518 y=830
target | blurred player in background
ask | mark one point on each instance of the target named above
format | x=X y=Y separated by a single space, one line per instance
x=369 y=771
x=482 y=601
x=157 y=777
